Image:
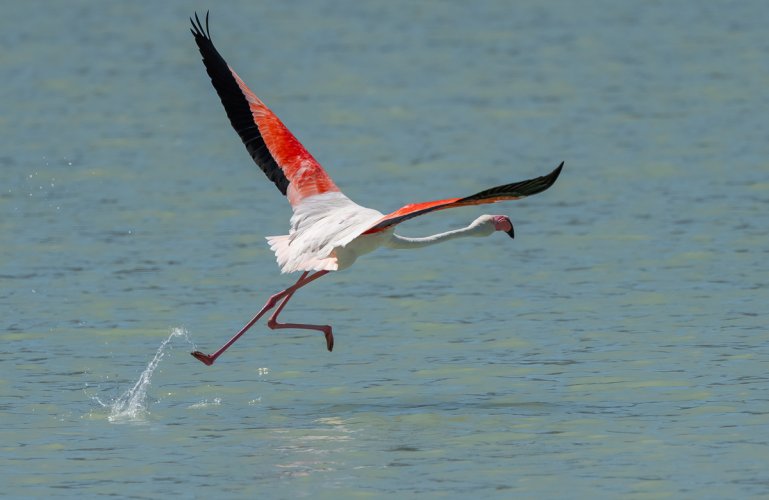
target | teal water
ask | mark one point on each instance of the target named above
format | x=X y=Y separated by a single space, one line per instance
x=618 y=347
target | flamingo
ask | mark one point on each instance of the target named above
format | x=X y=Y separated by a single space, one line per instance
x=328 y=230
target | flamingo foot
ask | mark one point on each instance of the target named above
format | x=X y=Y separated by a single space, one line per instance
x=205 y=358
x=329 y=339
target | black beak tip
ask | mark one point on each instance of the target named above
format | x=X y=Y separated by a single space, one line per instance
x=511 y=233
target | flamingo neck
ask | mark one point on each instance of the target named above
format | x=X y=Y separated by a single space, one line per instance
x=475 y=229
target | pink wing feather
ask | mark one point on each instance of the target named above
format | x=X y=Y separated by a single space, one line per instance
x=272 y=146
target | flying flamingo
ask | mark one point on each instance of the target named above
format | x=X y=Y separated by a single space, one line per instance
x=328 y=230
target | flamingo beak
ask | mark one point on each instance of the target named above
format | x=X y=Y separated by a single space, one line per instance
x=511 y=233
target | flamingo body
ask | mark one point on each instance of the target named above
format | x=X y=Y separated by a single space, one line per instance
x=328 y=231
x=322 y=228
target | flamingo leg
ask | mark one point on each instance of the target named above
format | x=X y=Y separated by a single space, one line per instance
x=273 y=324
x=284 y=295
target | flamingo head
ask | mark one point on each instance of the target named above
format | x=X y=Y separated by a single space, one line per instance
x=502 y=223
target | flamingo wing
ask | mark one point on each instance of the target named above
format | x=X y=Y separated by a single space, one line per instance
x=272 y=146
x=514 y=191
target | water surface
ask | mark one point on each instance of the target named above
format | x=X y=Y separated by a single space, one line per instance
x=617 y=347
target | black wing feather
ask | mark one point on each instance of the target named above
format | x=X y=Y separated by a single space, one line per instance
x=517 y=189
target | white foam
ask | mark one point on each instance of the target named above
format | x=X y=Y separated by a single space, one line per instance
x=206 y=403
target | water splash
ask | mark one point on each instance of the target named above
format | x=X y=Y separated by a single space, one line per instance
x=132 y=404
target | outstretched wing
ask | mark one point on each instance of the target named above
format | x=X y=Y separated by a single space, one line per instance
x=513 y=191
x=272 y=146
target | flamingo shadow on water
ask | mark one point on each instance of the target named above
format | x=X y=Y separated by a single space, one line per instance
x=328 y=230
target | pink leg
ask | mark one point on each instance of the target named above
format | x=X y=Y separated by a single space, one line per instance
x=326 y=329
x=286 y=294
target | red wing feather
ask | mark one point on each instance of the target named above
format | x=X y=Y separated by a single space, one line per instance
x=505 y=192
x=271 y=145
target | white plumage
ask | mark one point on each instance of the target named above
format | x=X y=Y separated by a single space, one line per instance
x=321 y=228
